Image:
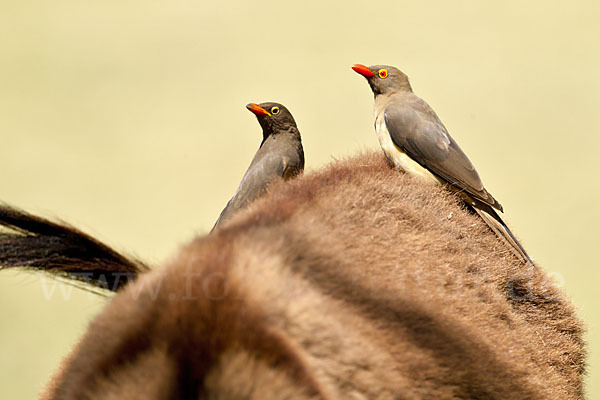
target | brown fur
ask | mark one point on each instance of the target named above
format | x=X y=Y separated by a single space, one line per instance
x=353 y=282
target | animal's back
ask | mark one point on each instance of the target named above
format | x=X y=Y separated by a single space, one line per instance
x=353 y=282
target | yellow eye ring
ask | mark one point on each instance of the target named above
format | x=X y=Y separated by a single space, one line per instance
x=275 y=110
x=383 y=73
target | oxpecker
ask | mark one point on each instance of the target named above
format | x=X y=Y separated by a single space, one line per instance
x=280 y=156
x=414 y=139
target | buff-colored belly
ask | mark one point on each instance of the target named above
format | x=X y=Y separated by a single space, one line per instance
x=399 y=158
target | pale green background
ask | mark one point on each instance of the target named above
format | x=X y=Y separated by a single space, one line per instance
x=126 y=118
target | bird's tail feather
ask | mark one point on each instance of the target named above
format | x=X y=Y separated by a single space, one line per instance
x=497 y=225
x=35 y=243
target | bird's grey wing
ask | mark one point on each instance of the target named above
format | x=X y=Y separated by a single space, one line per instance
x=264 y=169
x=293 y=161
x=415 y=128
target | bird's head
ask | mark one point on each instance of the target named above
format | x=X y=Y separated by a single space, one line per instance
x=272 y=117
x=384 y=79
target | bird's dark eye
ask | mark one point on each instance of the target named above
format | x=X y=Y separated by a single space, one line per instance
x=383 y=73
x=275 y=110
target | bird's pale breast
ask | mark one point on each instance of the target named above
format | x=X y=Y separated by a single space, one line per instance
x=398 y=157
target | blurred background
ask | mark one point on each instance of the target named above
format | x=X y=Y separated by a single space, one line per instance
x=126 y=119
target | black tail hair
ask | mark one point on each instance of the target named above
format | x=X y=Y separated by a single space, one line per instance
x=35 y=243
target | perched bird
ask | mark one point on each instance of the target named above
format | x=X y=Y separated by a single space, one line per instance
x=414 y=139
x=280 y=155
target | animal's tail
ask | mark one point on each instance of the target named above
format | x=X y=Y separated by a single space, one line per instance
x=497 y=225
x=35 y=243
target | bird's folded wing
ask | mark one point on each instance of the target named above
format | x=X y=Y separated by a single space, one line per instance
x=417 y=131
x=262 y=171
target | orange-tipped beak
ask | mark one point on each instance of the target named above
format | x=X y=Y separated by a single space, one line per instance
x=256 y=109
x=363 y=70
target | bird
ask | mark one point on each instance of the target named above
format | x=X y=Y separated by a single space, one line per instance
x=416 y=141
x=279 y=156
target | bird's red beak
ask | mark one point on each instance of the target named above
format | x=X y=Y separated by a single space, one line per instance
x=363 y=70
x=256 y=109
